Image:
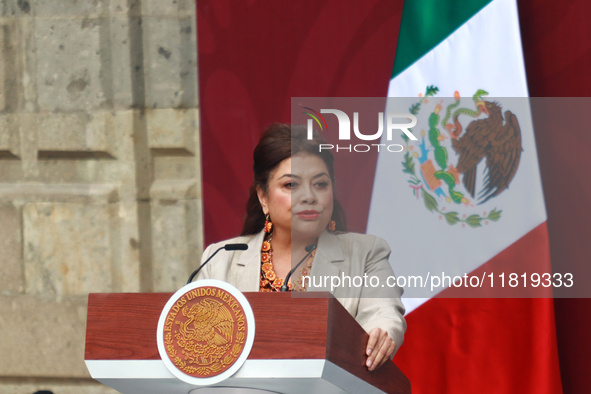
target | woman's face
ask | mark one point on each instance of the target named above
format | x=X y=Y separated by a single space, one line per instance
x=300 y=196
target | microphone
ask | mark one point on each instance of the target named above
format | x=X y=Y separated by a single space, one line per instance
x=235 y=247
x=309 y=249
x=225 y=247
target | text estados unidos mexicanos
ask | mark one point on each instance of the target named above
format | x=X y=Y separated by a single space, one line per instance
x=441 y=281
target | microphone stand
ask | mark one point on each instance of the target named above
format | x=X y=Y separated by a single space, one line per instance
x=225 y=247
x=309 y=249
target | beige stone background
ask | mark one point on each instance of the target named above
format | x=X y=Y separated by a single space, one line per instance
x=99 y=172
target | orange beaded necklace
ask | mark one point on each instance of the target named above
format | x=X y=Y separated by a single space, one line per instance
x=269 y=280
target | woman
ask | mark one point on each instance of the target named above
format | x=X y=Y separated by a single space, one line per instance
x=292 y=206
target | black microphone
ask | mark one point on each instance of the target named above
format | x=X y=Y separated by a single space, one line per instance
x=309 y=249
x=235 y=247
x=225 y=247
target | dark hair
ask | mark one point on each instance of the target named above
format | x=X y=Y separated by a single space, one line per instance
x=279 y=142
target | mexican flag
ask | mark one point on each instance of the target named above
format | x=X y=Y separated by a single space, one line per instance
x=466 y=200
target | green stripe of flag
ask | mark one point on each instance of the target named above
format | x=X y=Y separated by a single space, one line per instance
x=426 y=23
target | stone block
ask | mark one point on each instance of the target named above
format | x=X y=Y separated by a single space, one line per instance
x=174 y=251
x=119 y=129
x=64 y=8
x=172 y=138
x=123 y=7
x=10 y=65
x=117 y=67
x=77 y=132
x=71 y=63
x=42 y=337
x=125 y=248
x=3 y=57
x=10 y=170
x=16 y=152
x=182 y=189
x=176 y=232
x=188 y=63
x=87 y=244
x=175 y=166
x=11 y=274
x=25 y=73
x=172 y=129
x=85 y=148
x=168 y=7
x=170 y=68
x=24 y=193
x=67 y=248
x=15 y=8
x=9 y=136
x=11 y=166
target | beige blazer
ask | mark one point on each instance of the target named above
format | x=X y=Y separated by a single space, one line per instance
x=337 y=256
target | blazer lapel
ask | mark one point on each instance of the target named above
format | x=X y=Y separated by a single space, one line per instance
x=247 y=265
x=327 y=262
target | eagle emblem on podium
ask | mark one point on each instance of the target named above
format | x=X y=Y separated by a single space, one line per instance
x=208 y=329
x=204 y=331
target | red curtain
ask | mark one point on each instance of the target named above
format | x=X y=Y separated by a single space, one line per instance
x=255 y=55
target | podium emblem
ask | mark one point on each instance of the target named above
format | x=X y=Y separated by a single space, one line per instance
x=205 y=332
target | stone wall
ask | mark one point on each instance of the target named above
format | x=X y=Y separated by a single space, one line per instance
x=99 y=172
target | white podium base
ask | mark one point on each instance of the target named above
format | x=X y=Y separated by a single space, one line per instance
x=264 y=376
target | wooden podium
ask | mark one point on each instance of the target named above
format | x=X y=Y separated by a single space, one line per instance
x=302 y=344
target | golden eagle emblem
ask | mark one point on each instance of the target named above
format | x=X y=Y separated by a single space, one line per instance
x=205 y=332
x=209 y=323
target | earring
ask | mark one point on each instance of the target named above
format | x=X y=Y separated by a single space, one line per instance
x=332 y=225
x=268 y=224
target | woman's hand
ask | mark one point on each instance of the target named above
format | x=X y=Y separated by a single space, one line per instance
x=379 y=348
